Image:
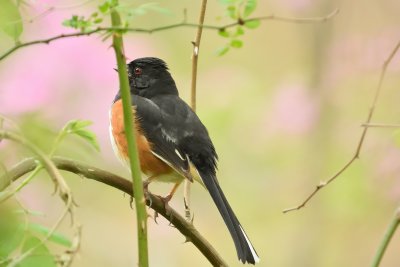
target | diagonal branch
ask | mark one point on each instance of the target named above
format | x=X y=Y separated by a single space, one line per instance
x=363 y=134
x=186 y=228
x=169 y=27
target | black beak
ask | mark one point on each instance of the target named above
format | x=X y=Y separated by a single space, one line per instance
x=116 y=70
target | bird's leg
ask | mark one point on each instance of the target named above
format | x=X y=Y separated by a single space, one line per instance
x=168 y=197
x=146 y=188
x=186 y=200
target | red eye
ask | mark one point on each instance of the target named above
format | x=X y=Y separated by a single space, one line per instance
x=138 y=71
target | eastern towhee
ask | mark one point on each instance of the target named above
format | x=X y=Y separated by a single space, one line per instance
x=173 y=144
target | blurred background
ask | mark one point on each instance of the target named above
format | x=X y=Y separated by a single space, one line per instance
x=284 y=112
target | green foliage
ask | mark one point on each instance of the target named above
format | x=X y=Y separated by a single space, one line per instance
x=54 y=237
x=39 y=256
x=238 y=10
x=252 y=24
x=10 y=19
x=11 y=232
x=78 y=127
x=236 y=43
x=130 y=10
x=249 y=8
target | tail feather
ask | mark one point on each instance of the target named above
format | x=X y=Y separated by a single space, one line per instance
x=244 y=248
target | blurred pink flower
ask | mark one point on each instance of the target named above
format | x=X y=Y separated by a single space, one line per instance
x=293 y=110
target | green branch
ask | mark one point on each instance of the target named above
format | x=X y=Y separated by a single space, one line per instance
x=386 y=239
x=186 y=228
x=169 y=27
x=137 y=184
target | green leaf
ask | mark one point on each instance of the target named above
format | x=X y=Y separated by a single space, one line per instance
x=236 y=43
x=249 y=7
x=222 y=51
x=10 y=19
x=78 y=127
x=55 y=237
x=239 y=31
x=98 y=20
x=223 y=33
x=89 y=137
x=252 y=24
x=104 y=7
x=11 y=232
x=40 y=256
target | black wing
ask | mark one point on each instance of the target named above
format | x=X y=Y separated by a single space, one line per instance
x=175 y=132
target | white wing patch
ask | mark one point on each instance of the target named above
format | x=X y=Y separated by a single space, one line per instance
x=179 y=154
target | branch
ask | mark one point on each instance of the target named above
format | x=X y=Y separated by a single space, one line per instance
x=169 y=27
x=386 y=239
x=363 y=134
x=380 y=125
x=99 y=175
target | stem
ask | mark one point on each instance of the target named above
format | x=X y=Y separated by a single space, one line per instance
x=386 y=239
x=169 y=27
x=137 y=185
x=195 y=56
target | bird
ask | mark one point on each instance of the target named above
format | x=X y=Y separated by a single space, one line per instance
x=173 y=144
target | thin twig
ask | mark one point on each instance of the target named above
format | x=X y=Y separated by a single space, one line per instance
x=386 y=239
x=363 y=134
x=195 y=57
x=169 y=27
x=120 y=183
x=380 y=125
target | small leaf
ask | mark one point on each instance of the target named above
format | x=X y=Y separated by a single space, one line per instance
x=222 y=51
x=41 y=255
x=104 y=7
x=239 y=31
x=89 y=137
x=236 y=43
x=252 y=24
x=223 y=33
x=10 y=19
x=55 y=237
x=80 y=124
x=249 y=7
x=98 y=20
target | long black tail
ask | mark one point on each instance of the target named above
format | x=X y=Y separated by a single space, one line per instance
x=244 y=248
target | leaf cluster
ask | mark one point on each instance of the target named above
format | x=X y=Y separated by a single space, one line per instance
x=238 y=10
x=129 y=11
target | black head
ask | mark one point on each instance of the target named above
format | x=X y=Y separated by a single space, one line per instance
x=149 y=77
